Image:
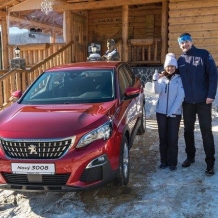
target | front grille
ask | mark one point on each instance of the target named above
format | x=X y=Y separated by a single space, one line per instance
x=35 y=149
x=22 y=179
x=92 y=174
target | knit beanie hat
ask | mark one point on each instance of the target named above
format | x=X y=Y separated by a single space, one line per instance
x=170 y=60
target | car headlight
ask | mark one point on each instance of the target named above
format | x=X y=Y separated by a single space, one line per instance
x=103 y=132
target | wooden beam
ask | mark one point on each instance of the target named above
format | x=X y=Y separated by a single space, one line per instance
x=52 y=37
x=33 y=5
x=30 y=22
x=67 y=32
x=32 y=47
x=3 y=14
x=164 y=31
x=100 y=4
x=26 y=5
x=125 y=31
x=4 y=3
x=67 y=26
x=4 y=36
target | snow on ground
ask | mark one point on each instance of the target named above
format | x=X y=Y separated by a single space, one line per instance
x=185 y=193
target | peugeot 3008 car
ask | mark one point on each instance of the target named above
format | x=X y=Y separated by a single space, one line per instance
x=72 y=129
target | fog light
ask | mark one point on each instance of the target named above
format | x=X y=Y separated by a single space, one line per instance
x=97 y=162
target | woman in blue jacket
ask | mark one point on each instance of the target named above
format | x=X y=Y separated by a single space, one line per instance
x=168 y=111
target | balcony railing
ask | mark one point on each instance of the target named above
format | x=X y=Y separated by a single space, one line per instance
x=18 y=79
x=145 y=51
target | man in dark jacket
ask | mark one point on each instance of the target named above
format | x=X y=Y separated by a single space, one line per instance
x=199 y=76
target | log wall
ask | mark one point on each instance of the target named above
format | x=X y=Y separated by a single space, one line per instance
x=144 y=22
x=200 y=19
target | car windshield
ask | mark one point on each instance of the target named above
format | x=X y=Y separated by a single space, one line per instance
x=73 y=86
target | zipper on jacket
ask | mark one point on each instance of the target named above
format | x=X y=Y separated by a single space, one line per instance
x=167 y=91
x=191 y=79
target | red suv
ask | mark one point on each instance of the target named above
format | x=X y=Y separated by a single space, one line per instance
x=72 y=129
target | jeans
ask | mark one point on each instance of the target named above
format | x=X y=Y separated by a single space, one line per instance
x=168 y=129
x=203 y=111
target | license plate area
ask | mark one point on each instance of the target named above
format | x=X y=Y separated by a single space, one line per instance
x=31 y=168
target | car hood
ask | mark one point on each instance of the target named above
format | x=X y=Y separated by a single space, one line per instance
x=49 y=121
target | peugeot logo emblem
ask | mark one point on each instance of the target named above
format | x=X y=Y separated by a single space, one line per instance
x=32 y=149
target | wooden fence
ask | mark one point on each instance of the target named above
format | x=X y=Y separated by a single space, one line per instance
x=145 y=51
x=34 y=53
x=17 y=79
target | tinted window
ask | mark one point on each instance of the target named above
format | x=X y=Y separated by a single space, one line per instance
x=130 y=76
x=66 y=87
x=123 y=80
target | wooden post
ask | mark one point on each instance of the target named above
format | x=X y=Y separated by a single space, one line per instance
x=4 y=36
x=86 y=14
x=67 y=32
x=164 y=30
x=155 y=50
x=125 y=31
x=143 y=53
x=132 y=53
x=52 y=37
x=149 y=53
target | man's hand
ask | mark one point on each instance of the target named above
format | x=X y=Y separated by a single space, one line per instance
x=209 y=100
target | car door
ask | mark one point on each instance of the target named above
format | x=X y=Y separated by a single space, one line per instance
x=127 y=106
x=136 y=83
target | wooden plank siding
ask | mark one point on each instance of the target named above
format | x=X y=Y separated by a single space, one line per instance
x=144 y=22
x=200 y=19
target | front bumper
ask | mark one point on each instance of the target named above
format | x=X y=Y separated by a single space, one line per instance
x=77 y=170
x=91 y=178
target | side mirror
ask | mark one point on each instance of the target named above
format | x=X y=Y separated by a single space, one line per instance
x=132 y=92
x=16 y=94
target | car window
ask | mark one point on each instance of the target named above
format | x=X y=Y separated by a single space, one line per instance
x=123 y=81
x=81 y=86
x=126 y=78
x=130 y=76
x=40 y=86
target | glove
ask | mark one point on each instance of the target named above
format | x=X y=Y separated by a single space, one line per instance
x=155 y=76
x=171 y=115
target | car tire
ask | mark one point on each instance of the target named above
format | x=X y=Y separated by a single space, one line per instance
x=141 y=129
x=123 y=173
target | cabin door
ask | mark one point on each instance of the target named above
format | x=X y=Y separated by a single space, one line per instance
x=80 y=38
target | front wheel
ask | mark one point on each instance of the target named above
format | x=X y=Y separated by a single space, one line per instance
x=123 y=174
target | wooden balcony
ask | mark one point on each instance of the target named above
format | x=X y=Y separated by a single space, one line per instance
x=145 y=51
x=35 y=53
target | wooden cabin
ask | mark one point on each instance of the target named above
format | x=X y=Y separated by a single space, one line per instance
x=144 y=31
